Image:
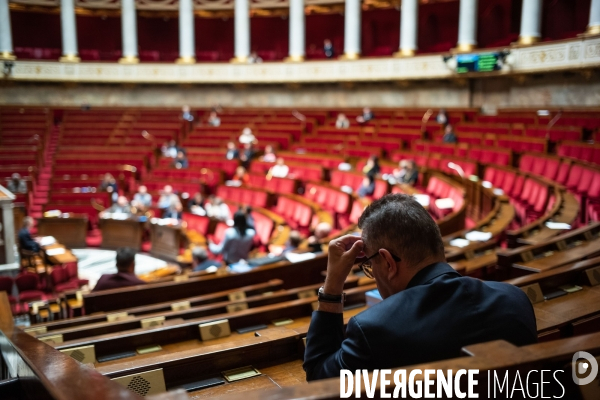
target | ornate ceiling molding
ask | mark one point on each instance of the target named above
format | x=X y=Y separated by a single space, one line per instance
x=570 y=55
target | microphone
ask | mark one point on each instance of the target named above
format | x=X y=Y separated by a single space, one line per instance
x=457 y=168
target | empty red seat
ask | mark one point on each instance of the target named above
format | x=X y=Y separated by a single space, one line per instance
x=28 y=287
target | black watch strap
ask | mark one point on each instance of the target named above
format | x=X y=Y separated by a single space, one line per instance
x=330 y=298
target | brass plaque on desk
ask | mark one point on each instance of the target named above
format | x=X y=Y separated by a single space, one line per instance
x=237 y=296
x=561 y=245
x=52 y=339
x=152 y=322
x=534 y=292
x=36 y=331
x=117 y=317
x=304 y=294
x=181 y=278
x=282 y=321
x=237 y=307
x=145 y=383
x=83 y=354
x=527 y=256
x=182 y=305
x=238 y=374
x=588 y=235
x=593 y=275
x=148 y=349
x=215 y=329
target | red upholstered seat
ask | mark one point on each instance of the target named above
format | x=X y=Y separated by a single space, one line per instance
x=196 y=223
x=60 y=280
x=28 y=287
x=6 y=285
x=73 y=274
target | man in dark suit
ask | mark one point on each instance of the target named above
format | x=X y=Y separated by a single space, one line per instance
x=429 y=311
x=26 y=242
x=125 y=275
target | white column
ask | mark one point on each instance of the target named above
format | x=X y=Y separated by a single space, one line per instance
x=242 y=30
x=69 y=31
x=187 y=50
x=297 y=38
x=467 y=25
x=352 y=14
x=531 y=22
x=6 y=47
x=129 y=32
x=409 y=22
x=594 y=25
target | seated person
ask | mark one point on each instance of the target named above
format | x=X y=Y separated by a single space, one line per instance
x=315 y=241
x=232 y=152
x=218 y=209
x=247 y=137
x=170 y=149
x=186 y=115
x=180 y=161
x=247 y=155
x=279 y=170
x=142 y=200
x=16 y=184
x=196 y=204
x=254 y=58
x=109 y=185
x=169 y=203
x=449 y=135
x=367 y=187
x=293 y=242
x=26 y=241
x=120 y=207
x=411 y=175
x=269 y=155
x=200 y=260
x=372 y=167
x=241 y=175
x=366 y=116
x=429 y=311
x=442 y=117
x=398 y=173
x=125 y=275
x=247 y=210
x=213 y=119
x=342 y=122
x=237 y=242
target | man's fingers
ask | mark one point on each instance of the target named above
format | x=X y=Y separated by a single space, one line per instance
x=347 y=241
x=355 y=250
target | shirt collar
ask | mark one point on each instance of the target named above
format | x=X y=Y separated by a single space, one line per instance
x=431 y=272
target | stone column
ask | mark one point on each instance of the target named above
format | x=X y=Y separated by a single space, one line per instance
x=187 y=50
x=297 y=28
x=409 y=22
x=467 y=26
x=6 y=46
x=129 y=32
x=352 y=21
x=531 y=22
x=594 y=25
x=242 y=31
x=69 y=31
x=7 y=227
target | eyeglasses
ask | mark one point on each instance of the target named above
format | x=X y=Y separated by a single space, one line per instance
x=367 y=265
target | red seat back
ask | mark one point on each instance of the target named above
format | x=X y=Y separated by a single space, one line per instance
x=27 y=281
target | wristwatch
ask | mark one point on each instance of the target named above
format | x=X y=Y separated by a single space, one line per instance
x=331 y=298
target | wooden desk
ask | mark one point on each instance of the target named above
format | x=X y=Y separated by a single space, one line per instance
x=166 y=241
x=69 y=231
x=121 y=233
x=560 y=258
x=58 y=259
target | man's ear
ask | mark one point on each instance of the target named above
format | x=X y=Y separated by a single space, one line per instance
x=393 y=269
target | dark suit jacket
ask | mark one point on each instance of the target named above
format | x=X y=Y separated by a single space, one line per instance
x=432 y=319
x=26 y=242
x=118 y=280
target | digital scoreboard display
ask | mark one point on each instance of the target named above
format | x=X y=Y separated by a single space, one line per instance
x=484 y=62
